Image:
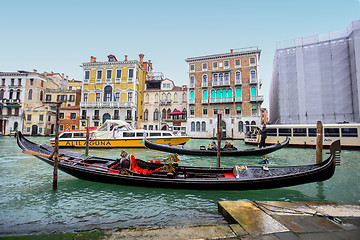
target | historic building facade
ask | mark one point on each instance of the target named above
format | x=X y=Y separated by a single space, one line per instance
x=113 y=90
x=225 y=83
x=164 y=105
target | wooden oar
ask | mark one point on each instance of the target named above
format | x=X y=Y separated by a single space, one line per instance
x=64 y=159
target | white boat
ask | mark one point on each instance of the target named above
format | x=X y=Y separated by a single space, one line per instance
x=115 y=134
x=304 y=135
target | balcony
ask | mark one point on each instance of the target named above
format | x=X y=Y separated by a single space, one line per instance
x=192 y=101
x=106 y=104
x=204 y=84
x=256 y=98
x=95 y=118
x=165 y=102
x=221 y=100
x=83 y=117
x=204 y=101
x=238 y=99
x=221 y=83
x=253 y=81
x=115 y=118
x=238 y=82
x=192 y=85
x=128 y=118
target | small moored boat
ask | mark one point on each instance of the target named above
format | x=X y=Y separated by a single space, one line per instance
x=132 y=171
x=116 y=134
x=203 y=151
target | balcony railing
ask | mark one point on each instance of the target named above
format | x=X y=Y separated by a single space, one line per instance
x=204 y=100
x=238 y=82
x=256 y=98
x=238 y=99
x=192 y=85
x=165 y=102
x=253 y=80
x=95 y=118
x=221 y=100
x=107 y=104
x=191 y=101
x=221 y=83
x=204 y=84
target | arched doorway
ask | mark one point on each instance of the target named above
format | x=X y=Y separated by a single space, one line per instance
x=34 y=129
x=106 y=116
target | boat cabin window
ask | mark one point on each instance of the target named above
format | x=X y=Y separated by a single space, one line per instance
x=312 y=132
x=66 y=135
x=299 y=132
x=349 y=132
x=79 y=135
x=332 y=132
x=285 y=132
x=139 y=134
x=128 y=134
x=155 y=134
x=272 y=132
x=166 y=134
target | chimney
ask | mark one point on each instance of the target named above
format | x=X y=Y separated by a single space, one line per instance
x=141 y=56
x=92 y=59
x=231 y=50
x=125 y=57
x=35 y=71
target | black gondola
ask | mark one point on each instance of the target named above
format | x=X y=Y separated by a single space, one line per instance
x=203 y=151
x=170 y=175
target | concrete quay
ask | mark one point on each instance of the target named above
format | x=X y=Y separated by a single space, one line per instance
x=266 y=220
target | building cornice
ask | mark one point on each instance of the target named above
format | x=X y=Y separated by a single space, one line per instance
x=224 y=55
x=97 y=64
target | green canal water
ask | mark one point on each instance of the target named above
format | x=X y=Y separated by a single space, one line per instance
x=28 y=205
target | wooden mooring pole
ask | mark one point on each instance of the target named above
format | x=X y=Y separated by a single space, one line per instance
x=319 y=141
x=219 y=139
x=87 y=136
x=56 y=149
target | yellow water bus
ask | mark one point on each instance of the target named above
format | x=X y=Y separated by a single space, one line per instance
x=117 y=134
x=304 y=135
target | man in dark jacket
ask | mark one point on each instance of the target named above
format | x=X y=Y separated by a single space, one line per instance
x=263 y=134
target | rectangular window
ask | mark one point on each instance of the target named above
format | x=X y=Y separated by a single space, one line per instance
x=72 y=98
x=131 y=73
x=108 y=74
x=226 y=64
x=332 y=132
x=349 y=132
x=16 y=112
x=97 y=97
x=155 y=134
x=312 y=132
x=117 y=97
x=31 y=81
x=272 y=132
x=128 y=134
x=61 y=128
x=116 y=114
x=41 y=118
x=19 y=81
x=118 y=73
x=83 y=114
x=62 y=115
x=215 y=65
x=130 y=96
x=285 y=132
x=9 y=111
x=204 y=66
x=192 y=67
x=252 y=61
x=87 y=75
x=28 y=117
x=48 y=97
x=28 y=129
x=72 y=115
x=99 y=75
x=299 y=132
x=12 y=82
x=3 y=82
x=86 y=95
x=237 y=62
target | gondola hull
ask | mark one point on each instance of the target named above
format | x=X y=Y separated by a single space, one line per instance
x=204 y=152
x=184 y=177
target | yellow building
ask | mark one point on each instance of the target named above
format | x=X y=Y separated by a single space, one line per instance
x=113 y=90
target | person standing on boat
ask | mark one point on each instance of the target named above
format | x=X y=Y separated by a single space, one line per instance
x=263 y=134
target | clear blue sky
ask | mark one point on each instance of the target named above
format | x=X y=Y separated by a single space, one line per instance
x=60 y=35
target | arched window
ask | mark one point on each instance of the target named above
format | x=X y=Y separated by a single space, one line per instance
x=218 y=93
x=253 y=123
x=184 y=97
x=192 y=79
x=107 y=94
x=238 y=77
x=193 y=126
x=227 y=111
x=205 y=111
x=221 y=77
x=156 y=97
x=18 y=94
x=168 y=97
x=241 y=126
x=146 y=115
x=175 y=97
x=198 y=126
x=205 y=94
x=230 y=93
x=11 y=93
x=252 y=75
x=156 y=115
x=147 y=98
x=253 y=110
x=163 y=114
x=227 y=76
x=204 y=80
x=215 y=77
x=216 y=111
x=192 y=95
x=163 y=97
x=203 y=126
x=253 y=94
x=192 y=111
x=238 y=110
x=224 y=93
x=212 y=94
x=238 y=92
x=106 y=116
x=168 y=114
x=185 y=113
x=30 y=94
